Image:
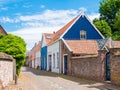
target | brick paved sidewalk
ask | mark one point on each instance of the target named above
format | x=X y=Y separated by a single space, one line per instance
x=31 y=79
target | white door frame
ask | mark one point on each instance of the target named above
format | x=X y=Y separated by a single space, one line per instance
x=63 y=62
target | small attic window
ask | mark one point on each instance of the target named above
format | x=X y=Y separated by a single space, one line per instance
x=82 y=34
x=48 y=37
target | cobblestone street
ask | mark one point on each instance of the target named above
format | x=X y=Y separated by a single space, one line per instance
x=31 y=79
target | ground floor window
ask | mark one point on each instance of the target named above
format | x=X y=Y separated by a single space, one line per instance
x=58 y=60
x=54 y=60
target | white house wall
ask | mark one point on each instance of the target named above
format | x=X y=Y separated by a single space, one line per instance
x=53 y=49
x=33 y=63
x=43 y=41
x=37 y=59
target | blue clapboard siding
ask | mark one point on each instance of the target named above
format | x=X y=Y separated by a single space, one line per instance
x=44 y=58
x=82 y=24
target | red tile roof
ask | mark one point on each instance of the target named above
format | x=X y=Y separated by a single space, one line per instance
x=57 y=34
x=48 y=37
x=38 y=46
x=34 y=50
x=83 y=47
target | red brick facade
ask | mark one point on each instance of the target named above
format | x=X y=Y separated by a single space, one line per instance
x=2 y=31
x=115 y=65
x=89 y=67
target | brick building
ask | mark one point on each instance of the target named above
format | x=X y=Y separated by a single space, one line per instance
x=2 y=31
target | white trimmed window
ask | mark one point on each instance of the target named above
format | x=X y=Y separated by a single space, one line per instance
x=82 y=34
x=57 y=60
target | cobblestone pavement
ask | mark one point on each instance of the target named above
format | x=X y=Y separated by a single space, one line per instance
x=32 y=79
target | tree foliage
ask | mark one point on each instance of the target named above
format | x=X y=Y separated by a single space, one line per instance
x=15 y=46
x=108 y=10
x=116 y=34
x=103 y=27
x=117 y=21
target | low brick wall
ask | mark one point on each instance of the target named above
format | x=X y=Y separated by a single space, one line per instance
x=7 y=69
x=89 y=67
x=115 y=65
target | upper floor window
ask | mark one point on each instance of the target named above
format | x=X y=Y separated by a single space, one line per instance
x=82 y=34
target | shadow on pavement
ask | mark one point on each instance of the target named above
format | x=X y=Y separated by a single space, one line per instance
x=84 y=82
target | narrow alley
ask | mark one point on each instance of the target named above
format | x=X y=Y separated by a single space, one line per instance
x=32 y=79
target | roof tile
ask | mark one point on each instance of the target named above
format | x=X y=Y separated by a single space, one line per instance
x=57 y=35
x=83 y=46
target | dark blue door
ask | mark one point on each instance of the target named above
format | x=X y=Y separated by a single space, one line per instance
x=65 y=65
x=108 y=66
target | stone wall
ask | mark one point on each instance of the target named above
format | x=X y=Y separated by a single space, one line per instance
x=7 y=70
x=89 y=67
x=115 y=65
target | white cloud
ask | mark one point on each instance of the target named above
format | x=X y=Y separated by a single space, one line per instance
x=93 y=16
x=82 y=10
x=6 y=20
x=33 y=35
x=27 y=6
x=4 y=8
x=7 y=1
x=42 y=6
x=48 y=21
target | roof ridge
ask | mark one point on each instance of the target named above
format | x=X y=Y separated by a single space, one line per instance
x=57 y=35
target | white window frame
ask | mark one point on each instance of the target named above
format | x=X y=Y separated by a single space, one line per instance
x=58 y=62
x=83 y=34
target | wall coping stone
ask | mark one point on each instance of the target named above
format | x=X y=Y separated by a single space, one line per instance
x=6 y=57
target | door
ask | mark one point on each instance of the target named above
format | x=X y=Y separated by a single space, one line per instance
x=50 y=57
x=65 y=64
x=108 y=66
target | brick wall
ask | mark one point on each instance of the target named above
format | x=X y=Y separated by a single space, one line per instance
x=64 y=51
x=89 y=67
x=115 y=65
x=6 y=69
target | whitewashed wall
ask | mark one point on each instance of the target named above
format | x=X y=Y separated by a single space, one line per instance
x=33 y=63
x=6 y=72
x=43 y=41
x=53 y=49
x=37 y=59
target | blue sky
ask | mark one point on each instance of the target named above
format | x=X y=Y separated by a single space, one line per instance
x=30 y=18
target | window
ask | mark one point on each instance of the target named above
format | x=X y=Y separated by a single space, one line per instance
x=48 y=37
x=82 y=34
x=57 y=60
x=54 y=60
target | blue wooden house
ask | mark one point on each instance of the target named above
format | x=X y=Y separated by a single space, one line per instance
x=45 y=40
x=80 y=28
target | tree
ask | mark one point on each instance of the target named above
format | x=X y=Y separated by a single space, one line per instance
x=116 y=25
x=15 y=46
x=108 y=10
x=117 y=21
x=103 y=27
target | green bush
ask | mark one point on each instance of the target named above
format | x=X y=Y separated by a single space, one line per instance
x=14 y=46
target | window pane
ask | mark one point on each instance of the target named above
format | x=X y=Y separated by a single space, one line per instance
x=82 y=34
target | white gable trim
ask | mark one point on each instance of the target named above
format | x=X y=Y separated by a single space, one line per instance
x=67 y=45
x=94 y=26
x=70 y=26
x=43 y=41
x=88 y=20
